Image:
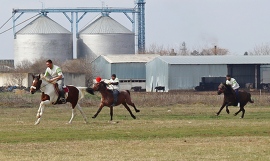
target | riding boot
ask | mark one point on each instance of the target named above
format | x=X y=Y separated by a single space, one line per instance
x=62 y=97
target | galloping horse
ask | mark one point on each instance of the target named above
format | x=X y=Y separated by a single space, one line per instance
x=49 y=96
x=107 y=99
x=230 y=98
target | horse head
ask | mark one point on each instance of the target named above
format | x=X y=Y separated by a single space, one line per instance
x=100 y=86
x=224 y=88
x=35 y=84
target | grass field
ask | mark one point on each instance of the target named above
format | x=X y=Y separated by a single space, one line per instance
x=186 y=129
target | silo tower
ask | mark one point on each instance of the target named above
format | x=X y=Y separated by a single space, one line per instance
x=42 y=38
x=105 y=36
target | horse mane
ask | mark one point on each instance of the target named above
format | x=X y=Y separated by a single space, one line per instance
x=229 y=87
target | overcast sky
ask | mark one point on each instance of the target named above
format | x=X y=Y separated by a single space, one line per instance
x=236 y=25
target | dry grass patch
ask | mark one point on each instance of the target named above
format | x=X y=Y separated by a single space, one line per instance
x=190 y=148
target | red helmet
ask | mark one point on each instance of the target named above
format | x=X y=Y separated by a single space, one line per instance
x=98 y=79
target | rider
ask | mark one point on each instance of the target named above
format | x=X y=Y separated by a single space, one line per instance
x=55 y=74
x=114 y=86
x=235 y=86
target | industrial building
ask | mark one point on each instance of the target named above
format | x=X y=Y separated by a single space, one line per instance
x=185 y=72
x=130 y=69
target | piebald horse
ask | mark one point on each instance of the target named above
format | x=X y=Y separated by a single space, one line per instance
x=49 y=96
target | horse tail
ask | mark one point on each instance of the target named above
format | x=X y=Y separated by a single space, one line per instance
x=90 y=90
x=83 y=90
x=250 y=100
x=128 y=92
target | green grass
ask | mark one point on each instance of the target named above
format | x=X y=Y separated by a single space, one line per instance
x=188 y=131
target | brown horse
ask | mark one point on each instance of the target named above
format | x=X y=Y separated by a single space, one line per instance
x=107 y=99
x=49 y=96
x=230 y=98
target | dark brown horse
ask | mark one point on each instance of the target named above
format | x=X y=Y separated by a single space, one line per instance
x=107 y=99
x=230 y=98
x=49 y=96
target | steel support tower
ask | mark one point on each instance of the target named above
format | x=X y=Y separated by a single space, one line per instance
x=139 y=10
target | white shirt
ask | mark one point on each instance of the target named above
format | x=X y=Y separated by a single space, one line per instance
x=233 y=83
x=54 y=72
x=111 y=86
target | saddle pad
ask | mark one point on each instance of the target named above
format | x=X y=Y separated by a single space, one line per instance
x=66 y=89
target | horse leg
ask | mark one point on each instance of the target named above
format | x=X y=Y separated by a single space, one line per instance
x=83 y=114
x=111 y=112
x=129 y=102
x=243 y=112
x=98 y=111
x=134 y=117
x=221 y=108
x=73 y=114
x=227 y=109
x=40 y=111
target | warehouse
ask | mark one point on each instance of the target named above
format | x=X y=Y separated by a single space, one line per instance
x=130 y=69
x=185 y=72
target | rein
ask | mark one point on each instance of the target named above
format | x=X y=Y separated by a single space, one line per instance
x=39 y=87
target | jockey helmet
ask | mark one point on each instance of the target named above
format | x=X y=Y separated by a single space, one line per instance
x=98 y=79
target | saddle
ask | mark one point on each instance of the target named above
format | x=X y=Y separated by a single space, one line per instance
x=57 y=91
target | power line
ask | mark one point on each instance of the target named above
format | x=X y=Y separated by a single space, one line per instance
x=6 y=22
x=17 y=24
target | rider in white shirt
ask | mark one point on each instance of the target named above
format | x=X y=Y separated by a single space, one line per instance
x=55 y=74
x=235 y=86
x=114 y=86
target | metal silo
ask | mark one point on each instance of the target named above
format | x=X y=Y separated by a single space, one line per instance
x=105 y=36
x=43 y=38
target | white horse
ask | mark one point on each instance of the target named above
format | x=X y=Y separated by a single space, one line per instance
x=50 y=96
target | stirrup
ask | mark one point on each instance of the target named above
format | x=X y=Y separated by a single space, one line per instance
x=63 y=100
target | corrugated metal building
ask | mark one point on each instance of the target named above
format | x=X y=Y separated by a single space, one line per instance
x=130 y=69
x=43 y=38
x=185 y=72
x=105 y=36
x=6 y=65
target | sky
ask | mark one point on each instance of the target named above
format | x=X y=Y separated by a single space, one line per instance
x=235 y=25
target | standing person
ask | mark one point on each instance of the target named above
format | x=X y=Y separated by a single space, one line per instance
x=235 y=86
x=54 y=73
x=114 y=86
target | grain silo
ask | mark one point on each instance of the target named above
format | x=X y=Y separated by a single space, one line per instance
x=43 y=38
x=105 y=36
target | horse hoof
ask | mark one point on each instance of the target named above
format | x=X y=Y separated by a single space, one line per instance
x=137 y=110
x=217 y=114
x=93 y=117
x=134 y=117
x=37 y=122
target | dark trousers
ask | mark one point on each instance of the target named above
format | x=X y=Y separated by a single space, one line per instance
x=115 y=95
x=237 y=95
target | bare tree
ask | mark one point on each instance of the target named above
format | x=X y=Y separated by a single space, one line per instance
x=79 y=66
x=263 y=49
x=158 y=49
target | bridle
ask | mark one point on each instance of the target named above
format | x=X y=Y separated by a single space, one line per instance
x=98 y=85
x=221 y=89
x=38 y=86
